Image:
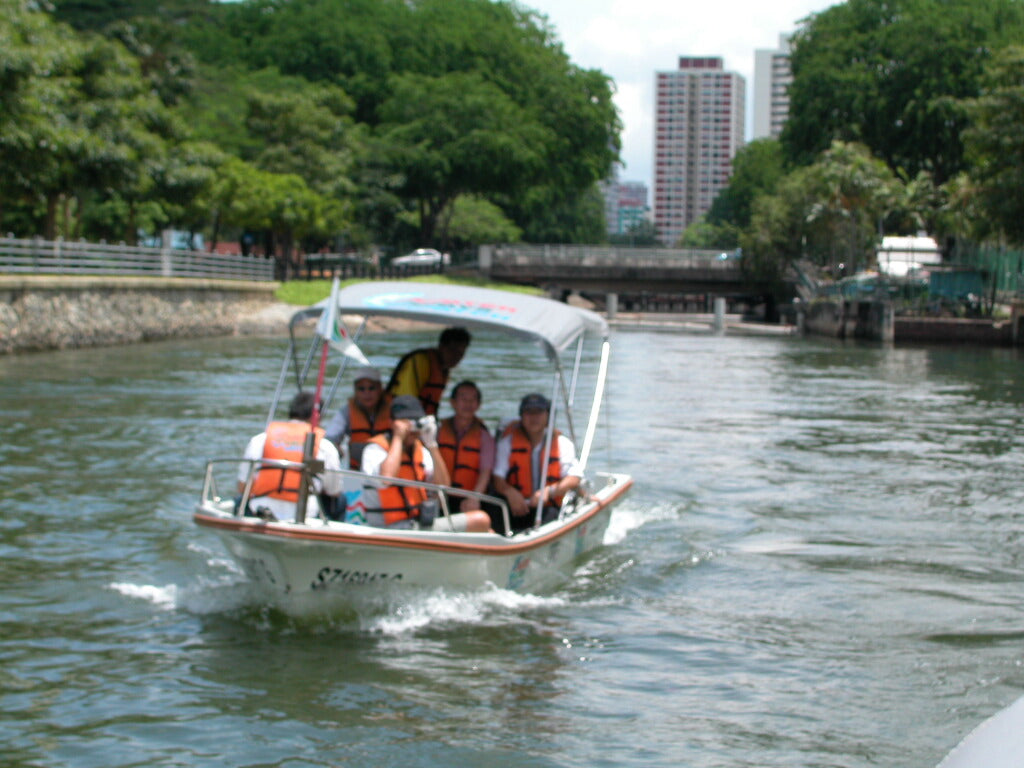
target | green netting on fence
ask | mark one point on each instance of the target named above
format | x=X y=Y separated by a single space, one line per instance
x=1003 y=268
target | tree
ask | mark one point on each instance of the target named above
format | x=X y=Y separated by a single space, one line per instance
x=703 y=234
x=36 y=59
x=453 y=135
x=756 y=169
x=472 y=221
x=995 y=144
x=855 y=193
x=279 y=205
x=392 y=57
x=828 y=213
x=891 y=74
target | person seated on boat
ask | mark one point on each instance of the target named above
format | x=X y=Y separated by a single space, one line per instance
x=517 y=460
x=466 y=444
x=409 y=451
x=275 y=491
x=423 y=373
x=367 y=413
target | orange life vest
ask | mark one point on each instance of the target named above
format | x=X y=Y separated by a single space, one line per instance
x=361 y=430
x=462 y=457
x=285 y=440
x=520 y=465
x=402 y=502
x=432 y=389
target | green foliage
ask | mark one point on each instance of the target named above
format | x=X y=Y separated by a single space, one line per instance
x=829 y=213
x=529 y=129
x=475 y=220
x=704 y=234
x=456 y=134
x=756 y=170
x=995 y=144
x=376 y=116
x=890 y=74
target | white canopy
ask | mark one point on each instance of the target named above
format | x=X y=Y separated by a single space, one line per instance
x=554 y=324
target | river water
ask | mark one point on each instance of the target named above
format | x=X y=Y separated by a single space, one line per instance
x=820 y=564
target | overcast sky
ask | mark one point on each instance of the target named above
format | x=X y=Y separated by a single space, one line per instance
x=630 y=40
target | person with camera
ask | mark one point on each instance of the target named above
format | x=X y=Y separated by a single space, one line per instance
x=409 y=451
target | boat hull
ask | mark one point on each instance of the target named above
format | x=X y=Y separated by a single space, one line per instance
x=320 y=557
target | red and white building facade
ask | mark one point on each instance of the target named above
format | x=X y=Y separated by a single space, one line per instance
x=700 y=113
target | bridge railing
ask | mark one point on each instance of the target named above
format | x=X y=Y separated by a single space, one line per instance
x=612 y=256
x=64 y=257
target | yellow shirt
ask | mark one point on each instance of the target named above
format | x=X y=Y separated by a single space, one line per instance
x=410 y=378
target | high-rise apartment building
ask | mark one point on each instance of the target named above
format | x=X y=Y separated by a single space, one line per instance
x=698 y=127
x=772 y=77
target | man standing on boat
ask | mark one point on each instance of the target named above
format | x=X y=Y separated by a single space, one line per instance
x=517 y=465
x=409 y=451
x=423 y=373
x=275 y=491
x=466 y=444
x=367 y=413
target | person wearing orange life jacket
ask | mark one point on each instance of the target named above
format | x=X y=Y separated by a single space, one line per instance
x=367 y=413
x=409 y=451
x=423 y=373
x=466 y=444
x=518 y=455
x=275 y=491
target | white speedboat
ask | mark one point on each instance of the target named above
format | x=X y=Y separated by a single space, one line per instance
x=996 y=743
x=313 y=554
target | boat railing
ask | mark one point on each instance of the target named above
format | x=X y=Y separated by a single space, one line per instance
x=442 y=492
x=211 y=493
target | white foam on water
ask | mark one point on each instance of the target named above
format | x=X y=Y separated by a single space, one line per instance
x=442 y=607
x=628 y=517
x=165 y=597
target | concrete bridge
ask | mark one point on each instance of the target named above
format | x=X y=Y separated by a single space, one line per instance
x=643 y=278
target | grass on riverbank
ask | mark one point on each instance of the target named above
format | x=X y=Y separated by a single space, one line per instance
x=304 y=293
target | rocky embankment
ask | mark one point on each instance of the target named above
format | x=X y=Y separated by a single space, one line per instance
x=70 y=313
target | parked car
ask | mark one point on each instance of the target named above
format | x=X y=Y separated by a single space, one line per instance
x=175 y=239
x=422 y=257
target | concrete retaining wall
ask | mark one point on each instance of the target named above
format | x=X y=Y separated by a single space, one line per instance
x=59 y=312
x=874 y=320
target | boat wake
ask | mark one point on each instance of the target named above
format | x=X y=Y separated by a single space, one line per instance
x=443 y=608
x=389 y=611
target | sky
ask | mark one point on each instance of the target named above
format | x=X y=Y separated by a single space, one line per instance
x=630 y=40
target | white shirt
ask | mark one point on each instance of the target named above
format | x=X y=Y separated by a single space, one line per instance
x=373 y=457
x=568 y=466
x=330 y=483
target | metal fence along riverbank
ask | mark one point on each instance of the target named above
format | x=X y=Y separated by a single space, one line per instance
x=63 y=257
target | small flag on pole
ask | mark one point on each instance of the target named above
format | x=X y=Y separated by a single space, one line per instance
x=332 y=330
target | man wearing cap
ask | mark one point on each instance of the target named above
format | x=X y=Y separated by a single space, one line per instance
x=517 y=471
x=275 y=491
x=366 y=414
x=423 y=373
x=409 y=451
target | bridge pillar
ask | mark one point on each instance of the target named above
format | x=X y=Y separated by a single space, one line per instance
x=612 y=305
x=719 y=322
